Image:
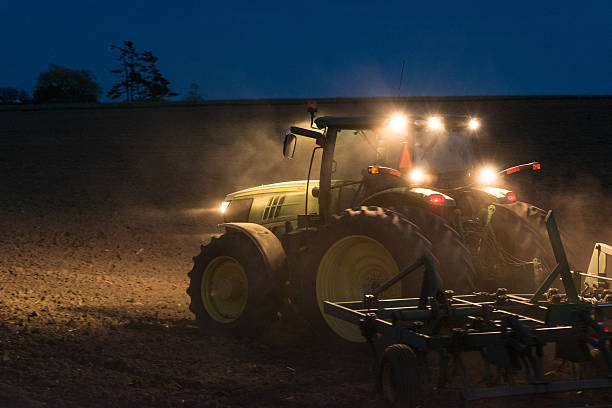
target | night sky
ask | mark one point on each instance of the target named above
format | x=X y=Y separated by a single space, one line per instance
x=285 y=49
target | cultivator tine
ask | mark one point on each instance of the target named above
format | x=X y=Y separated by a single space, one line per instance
x=508 y=331
x=562 y=267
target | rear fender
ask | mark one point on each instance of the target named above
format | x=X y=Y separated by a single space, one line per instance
x=495 y=194
x=403 y=196
x=265 y=241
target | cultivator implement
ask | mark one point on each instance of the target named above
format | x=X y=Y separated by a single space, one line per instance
x=508 y=331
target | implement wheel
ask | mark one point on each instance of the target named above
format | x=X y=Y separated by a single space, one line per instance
x=397 y=375
x=355 y=253
x=230 y=288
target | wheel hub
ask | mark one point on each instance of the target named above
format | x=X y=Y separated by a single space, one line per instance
x=350 y=268
x=224 y=289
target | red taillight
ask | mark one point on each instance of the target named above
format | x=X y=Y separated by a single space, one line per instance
x=510 y=196
x=437 y=199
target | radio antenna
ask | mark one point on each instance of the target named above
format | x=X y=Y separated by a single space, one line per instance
x=399 y=89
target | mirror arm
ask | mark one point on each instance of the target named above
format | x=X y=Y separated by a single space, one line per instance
x=305 y=132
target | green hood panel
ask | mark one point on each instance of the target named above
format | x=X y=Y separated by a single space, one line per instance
x=276 y=188
x=279 y=202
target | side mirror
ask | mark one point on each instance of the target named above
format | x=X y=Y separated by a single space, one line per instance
x=289 y=145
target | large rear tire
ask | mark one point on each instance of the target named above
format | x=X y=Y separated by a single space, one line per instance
x=231 y=289
x=519 y=258
x=455 y=265
x=352 y=255
x=536 y=218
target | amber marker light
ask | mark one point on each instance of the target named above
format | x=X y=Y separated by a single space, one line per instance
x=474 y=124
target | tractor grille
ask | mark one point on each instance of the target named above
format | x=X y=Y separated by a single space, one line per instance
x=273 y=207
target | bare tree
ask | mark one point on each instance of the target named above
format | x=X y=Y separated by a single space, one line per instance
x=141 y=80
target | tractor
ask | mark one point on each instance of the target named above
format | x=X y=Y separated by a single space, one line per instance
x=390 y=190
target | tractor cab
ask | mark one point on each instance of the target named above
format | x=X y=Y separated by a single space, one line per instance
x=363 y=157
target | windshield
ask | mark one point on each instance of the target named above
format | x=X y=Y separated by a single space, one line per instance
x=432 y=152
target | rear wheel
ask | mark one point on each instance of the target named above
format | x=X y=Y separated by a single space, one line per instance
x=519 y=257
x=231 y=289
x=355 y=253
x=456 y=269
x=535 y=217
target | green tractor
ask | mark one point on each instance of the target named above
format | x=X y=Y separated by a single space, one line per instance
x=390 y=189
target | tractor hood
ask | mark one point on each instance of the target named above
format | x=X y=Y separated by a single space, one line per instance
x=285 y=187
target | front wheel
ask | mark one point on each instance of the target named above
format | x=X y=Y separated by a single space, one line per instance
x=231 y=289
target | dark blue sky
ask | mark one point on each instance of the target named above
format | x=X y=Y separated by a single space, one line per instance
x=282 y=49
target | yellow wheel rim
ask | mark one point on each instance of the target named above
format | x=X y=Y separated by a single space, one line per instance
x=225 y=289
x=350 y=268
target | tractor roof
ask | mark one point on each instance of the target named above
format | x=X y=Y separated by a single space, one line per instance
x=368 y=122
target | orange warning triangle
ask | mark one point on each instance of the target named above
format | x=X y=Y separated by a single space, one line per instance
x=405 y=162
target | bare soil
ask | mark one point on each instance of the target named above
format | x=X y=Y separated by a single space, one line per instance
x=93 y=312
x=101 y=212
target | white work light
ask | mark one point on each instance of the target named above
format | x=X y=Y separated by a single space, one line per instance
x=435 y=123
x=417 y=176
x=487 y=175
x=397 y=123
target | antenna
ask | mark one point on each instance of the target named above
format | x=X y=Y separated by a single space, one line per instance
x=399 y=89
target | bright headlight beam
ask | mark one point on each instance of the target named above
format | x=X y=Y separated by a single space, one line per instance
x=397 y=123
x=487 y=175
x=435 y=123
x=224 y=206
x=473 y=124
x=417 y=176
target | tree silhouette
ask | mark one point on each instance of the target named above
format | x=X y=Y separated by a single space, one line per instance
x=157 y=87
x=141 y=78
x=10 y=95
x=128 y=60
x=63 y=85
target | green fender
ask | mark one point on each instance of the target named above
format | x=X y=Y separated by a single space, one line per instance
x=400 y=196
x=270 y=248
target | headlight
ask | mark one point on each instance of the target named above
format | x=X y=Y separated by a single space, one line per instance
x=487 y=175
x=224 y=206
x=473 y=124
x=397 y=123
x=417 y=176
x=435 y=123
